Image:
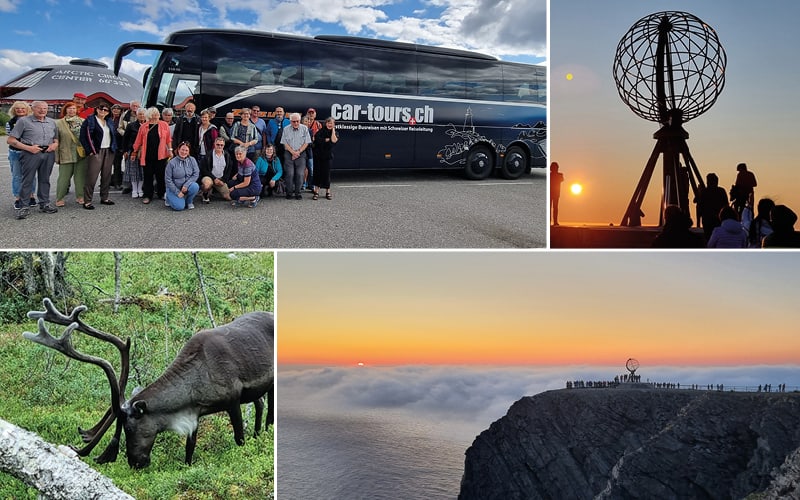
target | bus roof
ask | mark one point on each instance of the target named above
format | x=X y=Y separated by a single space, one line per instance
x=349 y=40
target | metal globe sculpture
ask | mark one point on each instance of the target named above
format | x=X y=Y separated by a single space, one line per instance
x=669 y=68
x=669 y=61
x=632 y=365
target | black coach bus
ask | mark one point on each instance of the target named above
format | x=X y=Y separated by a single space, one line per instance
x=396 y=105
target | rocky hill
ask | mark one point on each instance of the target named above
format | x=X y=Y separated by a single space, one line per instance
x=639 y=442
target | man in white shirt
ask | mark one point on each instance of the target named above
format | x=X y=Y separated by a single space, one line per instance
x=296 y=139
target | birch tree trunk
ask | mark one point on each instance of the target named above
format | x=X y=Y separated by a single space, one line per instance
x=56 y=472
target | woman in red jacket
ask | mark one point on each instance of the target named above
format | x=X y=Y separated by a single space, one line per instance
x=153 y=147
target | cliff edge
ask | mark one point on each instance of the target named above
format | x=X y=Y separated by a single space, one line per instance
x=639 y=442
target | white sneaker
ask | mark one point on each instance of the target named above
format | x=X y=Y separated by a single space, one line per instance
x=190 y=206
x=166 y=202
x=134 y=194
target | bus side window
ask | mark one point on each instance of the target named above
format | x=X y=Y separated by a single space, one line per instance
x=293 y=80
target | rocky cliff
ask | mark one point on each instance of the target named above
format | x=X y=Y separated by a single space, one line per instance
x=639 y=442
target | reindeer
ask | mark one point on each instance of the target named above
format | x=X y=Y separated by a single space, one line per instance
x=217 y=370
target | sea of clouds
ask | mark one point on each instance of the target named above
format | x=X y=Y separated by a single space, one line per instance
x=481 y=395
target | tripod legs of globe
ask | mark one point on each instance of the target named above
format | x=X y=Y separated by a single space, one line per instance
x=671 y=143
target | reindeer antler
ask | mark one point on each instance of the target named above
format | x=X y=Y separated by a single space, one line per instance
x=64 y=345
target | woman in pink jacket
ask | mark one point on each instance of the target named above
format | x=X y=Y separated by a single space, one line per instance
x=153 y=147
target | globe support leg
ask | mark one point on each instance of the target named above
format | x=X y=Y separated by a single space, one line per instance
x=677 y=180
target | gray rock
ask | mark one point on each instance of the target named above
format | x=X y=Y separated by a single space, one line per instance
x=638 y=443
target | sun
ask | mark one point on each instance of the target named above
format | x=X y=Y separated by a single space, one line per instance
x=576 y=189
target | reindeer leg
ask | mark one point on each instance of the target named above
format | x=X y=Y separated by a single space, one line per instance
x=270 y=407
x=259 y=404
x=191 y=441
x=235 y=413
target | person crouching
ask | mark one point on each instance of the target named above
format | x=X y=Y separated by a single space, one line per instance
x=245 y=185
x=181 y=179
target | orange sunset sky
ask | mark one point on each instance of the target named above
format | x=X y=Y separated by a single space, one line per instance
x=599 y=142
x=543 y=308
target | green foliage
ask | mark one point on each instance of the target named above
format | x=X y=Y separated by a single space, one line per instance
x=4 y=117
x=163 y=305
x=22 y=283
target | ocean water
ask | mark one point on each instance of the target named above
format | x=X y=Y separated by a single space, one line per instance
x=367 y=455
x=402 y=432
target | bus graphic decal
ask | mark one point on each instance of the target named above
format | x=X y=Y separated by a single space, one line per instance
x=454 y=154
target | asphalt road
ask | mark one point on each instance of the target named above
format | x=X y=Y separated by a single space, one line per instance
x=369 y=210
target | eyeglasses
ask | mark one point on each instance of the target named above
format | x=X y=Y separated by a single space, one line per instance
x=219 y=145
x=185 y=143
x=102 y=109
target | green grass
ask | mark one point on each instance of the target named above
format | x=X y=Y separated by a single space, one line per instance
x=50 y=395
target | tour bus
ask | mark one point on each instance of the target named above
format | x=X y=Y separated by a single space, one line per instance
x=396 y=105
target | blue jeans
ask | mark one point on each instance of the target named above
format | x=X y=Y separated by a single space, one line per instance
x=16 y=172
x=310 y=168
x=178 y=203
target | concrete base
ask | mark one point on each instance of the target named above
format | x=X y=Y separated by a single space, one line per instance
x=598 y=236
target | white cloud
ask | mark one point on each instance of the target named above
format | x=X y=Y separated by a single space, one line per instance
x=480 y=394
x=507 y=28
x=15 y=62
x=8 y=6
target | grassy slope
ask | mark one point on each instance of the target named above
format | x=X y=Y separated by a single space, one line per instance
x=44 y=392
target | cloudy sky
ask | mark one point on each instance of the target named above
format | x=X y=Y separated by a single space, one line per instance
x=55 y=31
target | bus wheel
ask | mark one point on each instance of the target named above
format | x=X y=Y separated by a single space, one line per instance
x=479 y=163
x=515 y=163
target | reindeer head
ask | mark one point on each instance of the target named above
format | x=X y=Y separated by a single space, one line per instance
x=140 y=433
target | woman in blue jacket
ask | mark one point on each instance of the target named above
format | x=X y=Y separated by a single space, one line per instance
x=181 y=179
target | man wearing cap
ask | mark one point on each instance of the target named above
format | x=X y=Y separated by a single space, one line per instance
x=79 y=98
x=35 y=136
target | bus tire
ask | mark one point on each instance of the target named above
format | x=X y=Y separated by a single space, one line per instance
x=479 y=163
x=515 y=163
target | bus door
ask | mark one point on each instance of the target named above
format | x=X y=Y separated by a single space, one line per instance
x=177 y=89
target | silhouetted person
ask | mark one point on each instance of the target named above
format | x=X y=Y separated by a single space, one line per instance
x=730 y=233
x=710 y=201
x=556 y=179
x=758 y=227
x=742 y=190
x=782 y=219
x=676 y=232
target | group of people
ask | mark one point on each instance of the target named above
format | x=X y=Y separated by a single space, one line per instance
x=730 y=223
x=240 y=161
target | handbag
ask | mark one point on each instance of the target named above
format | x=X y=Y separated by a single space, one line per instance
x=280 y=187
x=79 y=148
